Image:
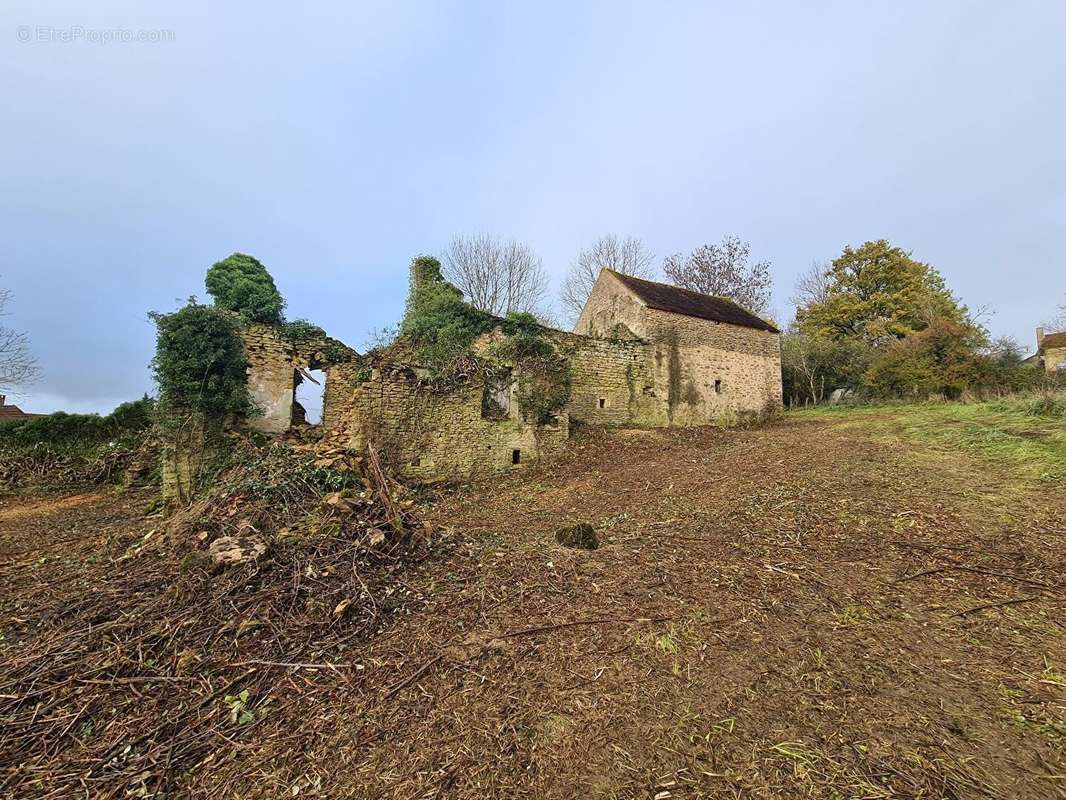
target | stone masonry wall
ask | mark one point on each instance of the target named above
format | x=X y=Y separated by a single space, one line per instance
x=270 y=377
x=706 y=370
x=429 y=433
x=611 y=383
x=1054 y=358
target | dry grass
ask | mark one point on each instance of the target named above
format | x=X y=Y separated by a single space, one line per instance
x=818 y=608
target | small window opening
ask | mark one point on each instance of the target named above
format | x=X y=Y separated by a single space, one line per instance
x=496 y=398
x=717 y=387
x=516 y=456
x=416 y=461
x=309 y=392
x=603 y=402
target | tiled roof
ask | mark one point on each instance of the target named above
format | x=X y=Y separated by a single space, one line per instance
x=1053 y=340
x=665 y=297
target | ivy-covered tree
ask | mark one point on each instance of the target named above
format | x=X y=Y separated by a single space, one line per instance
x=241 y=283
x=199 y=363
x=437 y=319
x=879 y=293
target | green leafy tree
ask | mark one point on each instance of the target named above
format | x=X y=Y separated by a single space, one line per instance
x=200 y=363
x=940 y=359
x=878 y=293
x=240 y=283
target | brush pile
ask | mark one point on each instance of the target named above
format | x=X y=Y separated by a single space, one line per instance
x=175 y=649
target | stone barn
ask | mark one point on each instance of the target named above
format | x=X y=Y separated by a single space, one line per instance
x=642 y=354
x=1051 y=350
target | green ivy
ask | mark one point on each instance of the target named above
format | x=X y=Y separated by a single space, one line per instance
x=439 y=322
x=241 y=284
x=199 y=363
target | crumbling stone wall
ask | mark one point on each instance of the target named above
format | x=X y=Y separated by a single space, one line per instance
x=272 y=363
x=611 y=383
x=430 y=431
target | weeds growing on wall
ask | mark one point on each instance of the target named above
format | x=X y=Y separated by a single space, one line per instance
x=438 y=321
x=443 y=328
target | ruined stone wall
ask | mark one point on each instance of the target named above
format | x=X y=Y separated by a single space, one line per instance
x=611 y=383
x=270 y=376
x=431 y=433
x=707 y=370
x=272 y=363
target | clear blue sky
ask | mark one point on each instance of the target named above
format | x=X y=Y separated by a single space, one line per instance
x=336 y=143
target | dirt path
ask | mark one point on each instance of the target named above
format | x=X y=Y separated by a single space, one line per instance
x=787 y=612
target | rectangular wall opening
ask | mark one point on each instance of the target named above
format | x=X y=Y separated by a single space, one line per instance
x=603 y=402
x=717 y=387
x=308 y=396
x=516 y=456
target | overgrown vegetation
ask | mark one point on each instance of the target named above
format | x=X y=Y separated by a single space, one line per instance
x=199 y=365
x=443 y=329
x=68 y=449
x=438 y=321
x=878 y=324
x=240 y=283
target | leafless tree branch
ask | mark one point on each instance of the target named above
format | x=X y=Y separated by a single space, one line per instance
x=812 y=287
x=628 y=256
x=18 y=367
x=495 y=275
x=723 y=270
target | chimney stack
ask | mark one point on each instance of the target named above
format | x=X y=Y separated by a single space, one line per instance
x=1039 y=337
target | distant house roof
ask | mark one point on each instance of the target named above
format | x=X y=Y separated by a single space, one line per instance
x=676 y=300
x=1053 y=340
x=12 y=412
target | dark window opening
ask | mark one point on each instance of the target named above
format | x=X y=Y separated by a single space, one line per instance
x=516 y=456
x=308 y=396
x=603 y=402
x=717 y=387
x=416 y=461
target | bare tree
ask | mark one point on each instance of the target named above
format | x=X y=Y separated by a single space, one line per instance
x=723 y=270
x=627 y=256
x=17 y=366
x=1058 y=322
x=812 y=287
x=495 y=275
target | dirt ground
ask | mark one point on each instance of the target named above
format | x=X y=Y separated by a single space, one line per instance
x=817 y=608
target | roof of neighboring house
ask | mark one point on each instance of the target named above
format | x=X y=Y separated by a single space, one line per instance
x=1053 y=340
x=665 y=297
x=12 y=411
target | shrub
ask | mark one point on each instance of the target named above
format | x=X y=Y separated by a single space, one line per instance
x=199 y=363
x=240 y=283
x=441 y=324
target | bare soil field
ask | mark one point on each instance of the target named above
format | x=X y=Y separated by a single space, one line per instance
x=824 y=607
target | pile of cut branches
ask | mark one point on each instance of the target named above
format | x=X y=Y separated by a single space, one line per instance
x=126 y=689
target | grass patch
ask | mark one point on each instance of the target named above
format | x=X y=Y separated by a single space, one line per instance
x=1025 y=432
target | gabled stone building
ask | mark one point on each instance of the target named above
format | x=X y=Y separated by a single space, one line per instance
x=642 y=354
x=1051 y=350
